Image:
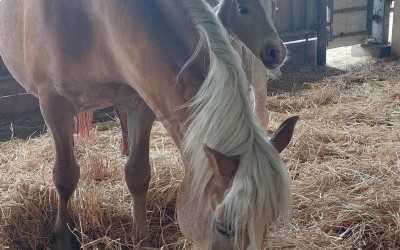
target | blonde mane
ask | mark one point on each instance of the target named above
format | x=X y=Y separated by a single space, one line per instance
x=221 y=117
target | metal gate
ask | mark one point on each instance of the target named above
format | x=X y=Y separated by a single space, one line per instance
x=348 y=22
x=322 y=24
x=297 y=24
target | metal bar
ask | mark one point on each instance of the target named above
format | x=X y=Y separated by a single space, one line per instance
x=380 y=21
x=305 y=50
x=321 y=31
x=347 y=10
x=14 y=95
x=330 y=21
x=386 y=24
x=307 y=32
x=297 y=35
x=369 y=16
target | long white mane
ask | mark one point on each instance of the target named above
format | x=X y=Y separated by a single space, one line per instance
x=221 y=117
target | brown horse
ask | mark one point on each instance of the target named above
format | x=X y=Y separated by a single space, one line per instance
x=249 y=25
x=174 y=57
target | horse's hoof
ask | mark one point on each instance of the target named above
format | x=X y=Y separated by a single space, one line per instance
x=142 y=244
x=67 y=246
x=67 y=243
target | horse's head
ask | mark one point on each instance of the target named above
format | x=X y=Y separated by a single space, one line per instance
x=205 y=224
x=251 y=21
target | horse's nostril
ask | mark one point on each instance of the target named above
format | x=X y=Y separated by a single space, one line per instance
x=273 y=54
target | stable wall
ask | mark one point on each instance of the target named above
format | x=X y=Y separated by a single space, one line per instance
x=396 y=29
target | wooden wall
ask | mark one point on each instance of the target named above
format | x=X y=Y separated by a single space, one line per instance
x=13 y=98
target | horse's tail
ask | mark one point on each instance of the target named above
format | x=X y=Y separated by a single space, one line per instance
x=221 y=117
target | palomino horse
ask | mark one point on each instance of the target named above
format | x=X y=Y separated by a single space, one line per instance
x=250 y=28
x=175 y=58
x=249 y=24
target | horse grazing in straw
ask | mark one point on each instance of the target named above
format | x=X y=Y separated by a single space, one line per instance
x=249 y=25
x=175 y=58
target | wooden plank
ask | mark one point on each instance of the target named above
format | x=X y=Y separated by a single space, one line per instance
x=295 y=16
x=9 y=86
x=14 y=99
x=344 y=4
x=346 y=41
x=349 y=29
x=18 y=104
x=396 y=29
x=344 y=23
x=349 y=23
x=303 y=52
x=283 y=18
x=3 y=68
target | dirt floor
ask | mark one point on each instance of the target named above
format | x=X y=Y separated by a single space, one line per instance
x=344 y=162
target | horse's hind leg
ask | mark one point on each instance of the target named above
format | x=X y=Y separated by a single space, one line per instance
x=122 y=116
x=58 y=114
x=137 y=169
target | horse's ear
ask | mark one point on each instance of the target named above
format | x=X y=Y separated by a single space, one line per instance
x=221 y=164
x=282 y=136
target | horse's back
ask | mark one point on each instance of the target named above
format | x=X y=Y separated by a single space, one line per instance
x=60 y=46
x=93 y=51
x=33 y=42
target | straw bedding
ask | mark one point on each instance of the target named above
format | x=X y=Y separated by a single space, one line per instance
x=344 y=161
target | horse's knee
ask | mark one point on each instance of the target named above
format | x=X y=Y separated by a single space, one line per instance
x=138 y=178
x=65 y=190
x=65 y=178
x=122 y=116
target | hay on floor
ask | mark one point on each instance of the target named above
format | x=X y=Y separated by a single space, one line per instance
x=344 y=162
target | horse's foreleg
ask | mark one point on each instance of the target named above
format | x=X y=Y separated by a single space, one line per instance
x=137 y=169
x=58 y=114
x=259 y=88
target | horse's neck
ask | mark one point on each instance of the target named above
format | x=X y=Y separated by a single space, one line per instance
x=157 y=65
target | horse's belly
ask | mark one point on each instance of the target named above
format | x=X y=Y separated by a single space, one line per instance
x=95 y=95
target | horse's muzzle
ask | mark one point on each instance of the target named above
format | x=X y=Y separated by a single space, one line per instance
x=273 y=57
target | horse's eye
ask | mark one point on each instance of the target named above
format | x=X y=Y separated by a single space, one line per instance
x=224 y=229
x=242 y=10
